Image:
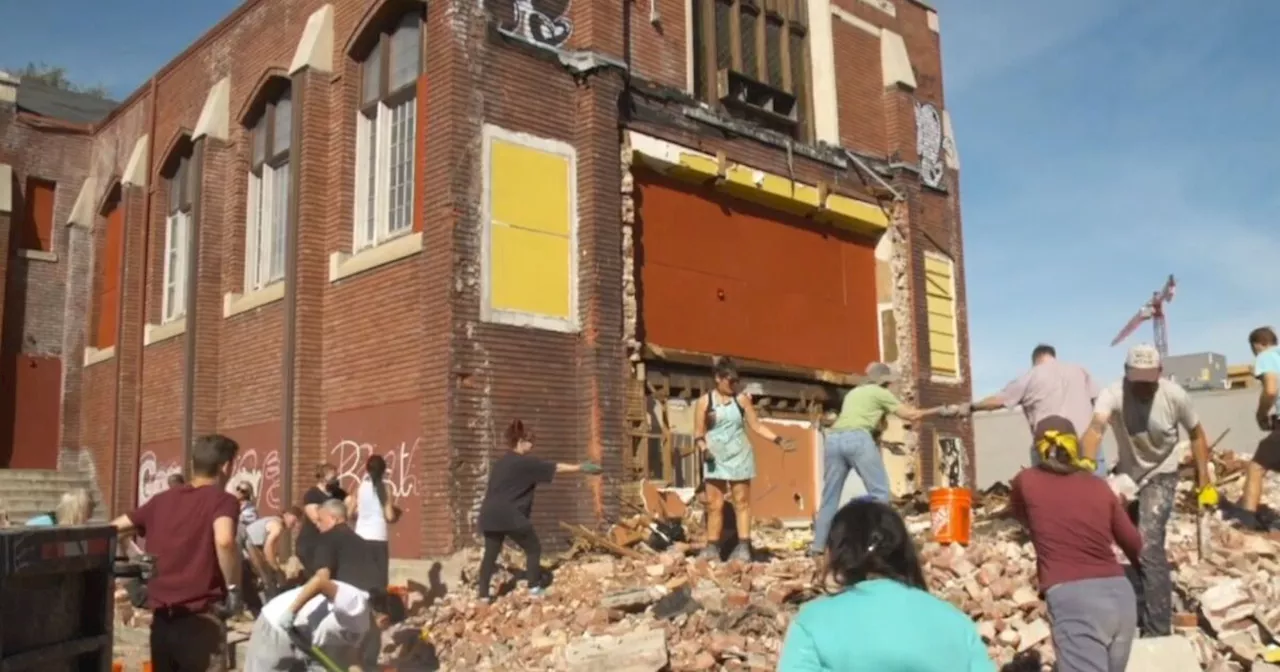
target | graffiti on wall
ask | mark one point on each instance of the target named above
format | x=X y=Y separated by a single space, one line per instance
x=541 y=21
x=951 y=461
x=929 y=144
x=349 y=457
x=262 y=472
x=153 y=475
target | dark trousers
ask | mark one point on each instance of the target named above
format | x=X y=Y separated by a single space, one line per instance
x=1152 y=512
x=381 y=555
x=188 y=643
x=527 y=540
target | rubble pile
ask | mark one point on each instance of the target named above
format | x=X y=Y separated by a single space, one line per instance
x=640 y=614
x=1225 y=602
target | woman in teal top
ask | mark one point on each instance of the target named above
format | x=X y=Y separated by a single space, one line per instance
x=883 y=618
x=721 y=420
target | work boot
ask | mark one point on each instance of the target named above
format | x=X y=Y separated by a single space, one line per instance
x=710 y=552
x=741 y=552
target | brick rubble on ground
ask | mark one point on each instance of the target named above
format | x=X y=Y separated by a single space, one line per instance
x=654 y=610
x=651 y=611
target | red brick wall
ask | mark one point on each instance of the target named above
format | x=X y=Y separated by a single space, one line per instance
x=43 y=317
x=396 y=360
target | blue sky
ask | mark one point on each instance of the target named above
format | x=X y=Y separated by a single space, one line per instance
x=1105 y=144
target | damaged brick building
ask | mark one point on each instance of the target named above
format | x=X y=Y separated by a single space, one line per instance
x=334 y=230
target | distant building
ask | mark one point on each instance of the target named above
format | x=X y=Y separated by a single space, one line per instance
x=1240 y=376
x=1198 y=371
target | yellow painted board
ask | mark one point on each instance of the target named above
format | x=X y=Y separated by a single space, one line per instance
x=943 y=343
x=937 y=285
x=937 y=305
x=942 y=324
x=529 y=188
x=529 y=272
x=937 y=265
x=944 y=363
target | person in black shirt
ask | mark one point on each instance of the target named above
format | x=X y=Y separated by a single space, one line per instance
x=504 y=514
x=341 y=554
x=325 y=489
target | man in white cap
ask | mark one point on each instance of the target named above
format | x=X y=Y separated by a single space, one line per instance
x=1152 y=412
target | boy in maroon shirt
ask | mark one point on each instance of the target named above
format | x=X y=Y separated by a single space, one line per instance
x=1074 y=519
x=191 y=531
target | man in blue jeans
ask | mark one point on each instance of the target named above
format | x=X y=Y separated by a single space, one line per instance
x=850 y=443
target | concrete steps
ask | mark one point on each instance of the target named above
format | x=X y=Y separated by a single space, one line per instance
x=31 y=492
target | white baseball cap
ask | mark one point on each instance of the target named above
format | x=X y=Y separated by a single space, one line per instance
x=1142 y=365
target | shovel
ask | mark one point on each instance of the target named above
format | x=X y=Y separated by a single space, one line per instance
x=313 y=652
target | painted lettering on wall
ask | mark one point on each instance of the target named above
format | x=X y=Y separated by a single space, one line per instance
x=153 y=475
x=929 y=144
x=260 y=470
x=541 y=21
x=349 y=457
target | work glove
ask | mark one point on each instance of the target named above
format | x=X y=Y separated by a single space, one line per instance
x=1087 y=464
x=285 y=620
x=949 y=411
x=1207 y=497
x=590 y=468
x=230 y=606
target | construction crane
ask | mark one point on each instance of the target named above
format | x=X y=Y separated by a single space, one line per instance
x=1153 y=310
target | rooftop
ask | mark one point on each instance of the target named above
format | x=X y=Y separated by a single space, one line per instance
x=41 y=99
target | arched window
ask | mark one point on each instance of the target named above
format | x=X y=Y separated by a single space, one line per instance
x=177 y=230
x=267 y=219
x=386 y=133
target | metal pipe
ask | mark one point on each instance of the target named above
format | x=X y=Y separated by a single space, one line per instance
x=288 y=369
x=196 y=179
x=147 y=208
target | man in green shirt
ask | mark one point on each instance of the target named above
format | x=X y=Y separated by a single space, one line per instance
x=850 y=443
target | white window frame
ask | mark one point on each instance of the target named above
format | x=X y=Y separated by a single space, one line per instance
x=390 y=104
x=880 y=309
x=514 y=317
x=264 y=219
x=955 y=322
x=177 y=230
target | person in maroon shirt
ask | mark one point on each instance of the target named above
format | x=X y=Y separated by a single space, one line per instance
x=191 y=532
x=1074 y=519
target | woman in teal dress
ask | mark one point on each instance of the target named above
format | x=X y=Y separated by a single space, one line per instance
x=721 y=420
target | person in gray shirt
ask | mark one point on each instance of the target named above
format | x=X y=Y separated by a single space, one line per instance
x=265 y=550
x=1150 y=414
x=1050 y=388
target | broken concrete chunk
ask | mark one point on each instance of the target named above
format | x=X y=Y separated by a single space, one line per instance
x=1034 y=633
x=632 y=599
x=1163 y=654
x=644 y=651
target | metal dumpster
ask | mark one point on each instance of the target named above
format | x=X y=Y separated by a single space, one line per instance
x=57 y=598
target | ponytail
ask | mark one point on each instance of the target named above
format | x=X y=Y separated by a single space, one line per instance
x=376 y=468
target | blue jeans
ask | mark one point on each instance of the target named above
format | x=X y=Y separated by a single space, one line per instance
x=844 y=450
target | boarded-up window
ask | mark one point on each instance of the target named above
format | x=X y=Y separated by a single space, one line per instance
x=888 y=334
x=531 y=221
x=37 y=221
x=940 y=295
x=106 y=305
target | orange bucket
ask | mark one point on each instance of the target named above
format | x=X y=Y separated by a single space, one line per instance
x=146 y=666
x=117 y=666
x=951 y=511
